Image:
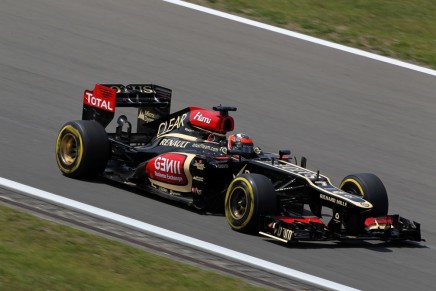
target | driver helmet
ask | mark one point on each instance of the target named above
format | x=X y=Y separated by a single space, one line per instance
x=239 y=141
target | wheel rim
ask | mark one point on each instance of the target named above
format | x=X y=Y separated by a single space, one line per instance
x=238 y=203
x=68 y=149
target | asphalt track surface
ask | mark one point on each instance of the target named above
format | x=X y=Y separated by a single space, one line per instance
x=346 y=113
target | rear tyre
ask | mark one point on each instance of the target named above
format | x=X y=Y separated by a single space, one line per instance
x=248 y=197
x=371 y=188
x=82 y=149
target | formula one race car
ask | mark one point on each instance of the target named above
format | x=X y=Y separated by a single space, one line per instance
x=187 y=156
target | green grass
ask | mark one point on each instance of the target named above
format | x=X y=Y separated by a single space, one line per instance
x=36 y=254
x=401 y=29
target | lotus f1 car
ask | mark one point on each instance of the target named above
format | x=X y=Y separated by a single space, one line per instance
x=188 y=156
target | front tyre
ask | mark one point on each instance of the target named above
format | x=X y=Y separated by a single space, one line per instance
x=370 y=188
x=82 y=149
x=248 y=197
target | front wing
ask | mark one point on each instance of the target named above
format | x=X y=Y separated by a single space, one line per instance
x=385 y=228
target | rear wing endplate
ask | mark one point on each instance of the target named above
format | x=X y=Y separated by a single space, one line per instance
x=152 y=101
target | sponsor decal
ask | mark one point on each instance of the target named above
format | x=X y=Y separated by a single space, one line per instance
x=167 y=165
x=107 y=104
x=147 y=116
x=174 y=193
x=168 y=168
x=205 y=147
x=198 y=116
x=198 y=178
x=209 y=121
x=282 y=232
x=199 y=165
x=328 y=198
x=197 y=191
x=139 y=88
x=221 y=166
x=333 y=200
x=174 y=143
x=163 y=189
x=170 y=125
x=223 y=150
x=342 y=203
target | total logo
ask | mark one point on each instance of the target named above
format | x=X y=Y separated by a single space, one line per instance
x=202 y=118
x=98 y=102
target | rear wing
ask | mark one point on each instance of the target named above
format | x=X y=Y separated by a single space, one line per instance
x=152 y=101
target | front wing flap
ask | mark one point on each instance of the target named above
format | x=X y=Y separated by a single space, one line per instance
x=385 y=228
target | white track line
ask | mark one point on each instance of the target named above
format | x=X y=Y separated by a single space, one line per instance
x=304 y=37
x=171 y=235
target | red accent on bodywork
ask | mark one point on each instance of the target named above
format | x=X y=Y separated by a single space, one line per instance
x=101 y=97
x=370 y=221
x=306 y=220
x=222 y=157
x=210 y=120
x=168 y=168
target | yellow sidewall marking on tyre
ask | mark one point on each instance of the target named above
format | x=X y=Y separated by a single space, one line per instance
x=352 y=181
x=251 y=210
x=76 y=133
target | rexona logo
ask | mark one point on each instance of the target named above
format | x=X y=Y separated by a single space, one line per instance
x=102 y=97
x=167 y=168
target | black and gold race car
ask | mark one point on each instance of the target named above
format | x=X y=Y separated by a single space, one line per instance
x=190 y=156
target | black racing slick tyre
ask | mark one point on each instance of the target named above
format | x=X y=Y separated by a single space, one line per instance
x=248 y=197
x=82 y=149
x=371 y=188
